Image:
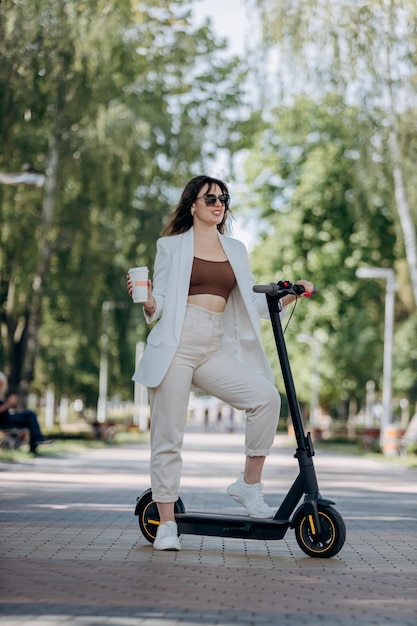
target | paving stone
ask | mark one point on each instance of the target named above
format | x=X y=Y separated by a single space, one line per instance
x=72 y=551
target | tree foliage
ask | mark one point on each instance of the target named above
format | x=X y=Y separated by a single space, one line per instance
x=118 y=103
x=366 y=52
x=332 y=173
x=321 y=184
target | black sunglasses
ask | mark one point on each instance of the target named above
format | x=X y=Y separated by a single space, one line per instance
x=210 y=199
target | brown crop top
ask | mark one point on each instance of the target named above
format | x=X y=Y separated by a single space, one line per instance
x=214 y=277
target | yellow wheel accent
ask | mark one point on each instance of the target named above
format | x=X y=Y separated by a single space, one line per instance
x=332 y=533
x=149 y=522
x=148 y=516
x=311 y=520
x=308 y=530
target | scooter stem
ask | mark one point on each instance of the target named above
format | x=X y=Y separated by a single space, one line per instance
x=303 y=443
x=305 y=449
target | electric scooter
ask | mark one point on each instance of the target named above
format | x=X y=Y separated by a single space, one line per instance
x=319 y=529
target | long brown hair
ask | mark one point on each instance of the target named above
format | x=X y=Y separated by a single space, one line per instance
x=181 y=219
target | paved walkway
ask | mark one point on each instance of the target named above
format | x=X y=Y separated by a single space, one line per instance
x=72 y=552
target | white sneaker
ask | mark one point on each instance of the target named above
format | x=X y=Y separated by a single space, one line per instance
x=167 y=537
x=251 y=497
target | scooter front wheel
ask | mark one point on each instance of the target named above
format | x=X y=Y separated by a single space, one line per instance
x=332 y=536
x=148 y=515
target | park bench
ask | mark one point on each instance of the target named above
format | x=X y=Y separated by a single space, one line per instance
x=13 y=438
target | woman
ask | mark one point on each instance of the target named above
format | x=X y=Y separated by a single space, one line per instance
x=207 y=336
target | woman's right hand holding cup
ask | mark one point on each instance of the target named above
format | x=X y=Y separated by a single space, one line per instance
x=150 y=304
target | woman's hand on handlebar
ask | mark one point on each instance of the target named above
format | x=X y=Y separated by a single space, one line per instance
x=308 y=287
x=308 y=290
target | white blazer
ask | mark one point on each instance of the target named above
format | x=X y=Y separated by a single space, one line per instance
x=171 y=281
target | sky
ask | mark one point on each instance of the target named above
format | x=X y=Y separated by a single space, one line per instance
x=230 y=21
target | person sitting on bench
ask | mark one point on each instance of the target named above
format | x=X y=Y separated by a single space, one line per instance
x=19 y=419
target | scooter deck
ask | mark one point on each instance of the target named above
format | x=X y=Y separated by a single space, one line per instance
x=222 y=525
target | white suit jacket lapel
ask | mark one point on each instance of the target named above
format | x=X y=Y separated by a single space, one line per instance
x=185 y=263
x=233 y=255
x=243 y=279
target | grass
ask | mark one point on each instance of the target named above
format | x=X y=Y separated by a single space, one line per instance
x=340 y=446
x=343 y=445
x=76 y=444
x=72 y=445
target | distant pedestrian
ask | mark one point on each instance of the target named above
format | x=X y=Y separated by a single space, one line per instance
x=231 y=420
x=219 y=419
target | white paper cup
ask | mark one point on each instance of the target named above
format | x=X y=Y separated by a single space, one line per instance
x=139 y=276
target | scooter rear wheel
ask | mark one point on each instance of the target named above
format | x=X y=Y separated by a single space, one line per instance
x=333 y=533
x=148 y=515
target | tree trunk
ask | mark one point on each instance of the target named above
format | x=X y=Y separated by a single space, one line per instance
x=407 y=226
x=406 y=221
x=46 y=243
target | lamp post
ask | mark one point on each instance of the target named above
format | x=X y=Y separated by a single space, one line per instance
x=388 y=275
x=104 y=343
x=25 y=178
x=140 y=416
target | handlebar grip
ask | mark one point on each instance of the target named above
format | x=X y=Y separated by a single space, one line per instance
x=271 y=289
x=274 y=288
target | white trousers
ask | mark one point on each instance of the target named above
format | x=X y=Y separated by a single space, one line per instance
x=200 y=360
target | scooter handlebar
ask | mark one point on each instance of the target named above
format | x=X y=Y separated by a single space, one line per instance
x=271 y=289
x=282 y=288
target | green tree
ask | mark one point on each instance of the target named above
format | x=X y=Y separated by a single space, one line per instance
x=324 y=217
x=368 y=53
x=118 y=104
